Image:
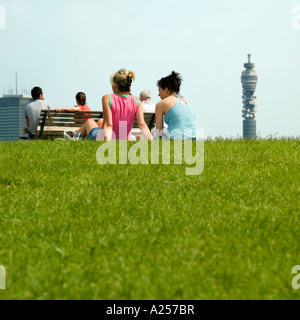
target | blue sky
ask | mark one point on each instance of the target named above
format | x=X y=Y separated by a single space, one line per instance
x=69 y=46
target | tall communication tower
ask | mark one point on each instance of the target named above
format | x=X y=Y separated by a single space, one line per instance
x=249 y=81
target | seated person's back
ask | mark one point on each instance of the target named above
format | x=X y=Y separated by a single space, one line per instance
x=145 y=97
x=33 y=110
x=180 y=119
x=123 y=109
x=177 y=111
x=119 y=112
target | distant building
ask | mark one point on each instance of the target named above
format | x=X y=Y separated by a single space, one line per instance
x=249 y=81
x=12 y=116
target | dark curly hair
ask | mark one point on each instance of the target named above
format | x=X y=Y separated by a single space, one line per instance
x=172 y=82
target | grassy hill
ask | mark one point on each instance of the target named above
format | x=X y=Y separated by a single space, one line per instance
x=73 y=229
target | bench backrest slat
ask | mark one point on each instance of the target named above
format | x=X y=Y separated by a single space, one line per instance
x=149 y=119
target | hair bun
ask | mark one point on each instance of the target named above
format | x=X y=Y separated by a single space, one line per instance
x=174 y=74
x=131 y=75
x=176 y=77
x=129 y=81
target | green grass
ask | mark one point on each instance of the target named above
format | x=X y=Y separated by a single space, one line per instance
x=72 y=229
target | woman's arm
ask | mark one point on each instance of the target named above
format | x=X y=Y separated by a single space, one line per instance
x=107 y=118
x=71 y=109
x=141 y=121
x=159 y=118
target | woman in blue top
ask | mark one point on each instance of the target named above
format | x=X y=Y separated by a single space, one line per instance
x=178 y=112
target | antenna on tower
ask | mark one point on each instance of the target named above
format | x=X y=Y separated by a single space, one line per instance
x=16 y=83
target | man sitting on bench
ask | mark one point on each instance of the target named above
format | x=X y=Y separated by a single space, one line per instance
x=33 y=111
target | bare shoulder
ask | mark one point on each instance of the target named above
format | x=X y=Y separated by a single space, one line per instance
x=106 y=101
x=170 y=101
x=159 y=105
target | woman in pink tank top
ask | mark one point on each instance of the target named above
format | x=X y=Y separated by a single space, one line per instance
x=119 y=112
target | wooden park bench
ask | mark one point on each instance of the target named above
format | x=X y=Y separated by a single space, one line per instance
x=52 y=125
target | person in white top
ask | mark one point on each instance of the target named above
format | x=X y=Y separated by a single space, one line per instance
x=33 y=110
x=145 y=97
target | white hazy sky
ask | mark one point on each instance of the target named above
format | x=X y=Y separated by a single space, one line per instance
x=66 y=46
